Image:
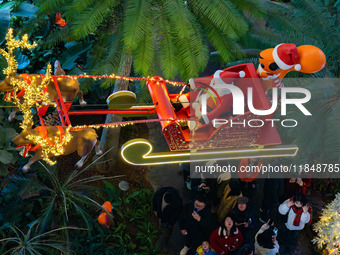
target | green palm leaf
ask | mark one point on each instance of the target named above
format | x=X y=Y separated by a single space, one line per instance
x=136 y=21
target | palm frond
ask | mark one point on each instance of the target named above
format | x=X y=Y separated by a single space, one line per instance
x=144 y=54
x=89 y=20
x=167 y=46
x=251 y=7
x=47 y=213
x=79 y=6
x=57 y=36
x=227 y=47
x=224 y=15
x=136 y=22
x=50 y=6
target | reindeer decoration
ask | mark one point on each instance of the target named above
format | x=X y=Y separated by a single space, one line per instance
x=27 y=91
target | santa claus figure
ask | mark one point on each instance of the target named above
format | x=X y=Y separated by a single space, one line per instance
x=219 y=100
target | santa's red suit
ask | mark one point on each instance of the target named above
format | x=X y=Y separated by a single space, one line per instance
x=221 y=103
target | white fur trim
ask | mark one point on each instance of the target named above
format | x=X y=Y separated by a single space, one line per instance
x=297 y=67
x=192 y=83
x=278 y=61
x=206 y=119
x=217 y=74
x=217 y=78
x=198 y=112
x=184 y=101
x=242 y=74
x=191 y=124
x=195 y=105
x=225 y=231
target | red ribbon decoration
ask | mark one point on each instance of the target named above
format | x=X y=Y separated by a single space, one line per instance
x=28 y=147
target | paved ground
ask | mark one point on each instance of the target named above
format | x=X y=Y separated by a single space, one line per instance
x=171 y=175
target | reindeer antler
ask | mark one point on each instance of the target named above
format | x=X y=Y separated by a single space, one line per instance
x=13 y=44
x=34 y=92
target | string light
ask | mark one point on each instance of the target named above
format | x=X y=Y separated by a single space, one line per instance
x=35 y=95
x=113 y=76
x=125 y=123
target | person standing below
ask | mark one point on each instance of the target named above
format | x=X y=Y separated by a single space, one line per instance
x=297 y=184
x=167 y=206
x=244 y=220
x=299 y=213
x=194 y=224
x=272 y=191
x=248 y=171
x=265 y=240
x=207 y=187
x=226 y=239
x=231 y=193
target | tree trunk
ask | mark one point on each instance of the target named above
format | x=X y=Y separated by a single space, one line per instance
x=110 y=136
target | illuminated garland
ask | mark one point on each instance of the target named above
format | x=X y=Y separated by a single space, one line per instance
x=126 y=78
x=34 y=96
x=124 y=123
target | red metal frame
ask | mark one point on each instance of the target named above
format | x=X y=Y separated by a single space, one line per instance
x=64 y=107
x=121 y=111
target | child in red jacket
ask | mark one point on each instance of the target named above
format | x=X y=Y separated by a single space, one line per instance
x=227 y=239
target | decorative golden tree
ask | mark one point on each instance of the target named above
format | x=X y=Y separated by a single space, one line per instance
x=328 y=228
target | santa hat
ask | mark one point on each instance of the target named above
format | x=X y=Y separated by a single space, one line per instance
x=286 y=56
x=221 y=76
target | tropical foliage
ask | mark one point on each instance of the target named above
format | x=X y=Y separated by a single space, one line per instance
x=8 y=154
x=167 y=37
x=32 y=242
x=51 y=204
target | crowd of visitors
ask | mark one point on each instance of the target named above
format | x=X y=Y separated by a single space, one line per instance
x=219 y=219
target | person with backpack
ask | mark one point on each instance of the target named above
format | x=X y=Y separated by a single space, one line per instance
x=299 y=213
